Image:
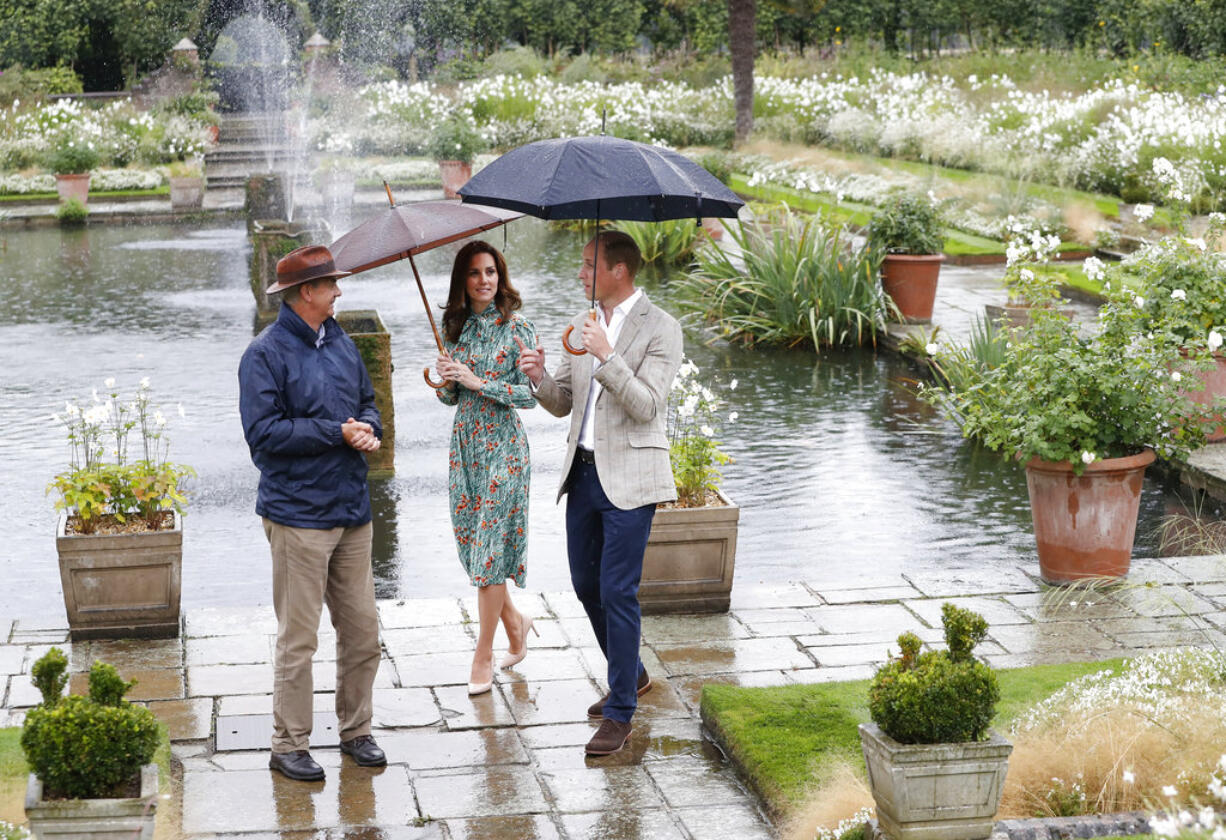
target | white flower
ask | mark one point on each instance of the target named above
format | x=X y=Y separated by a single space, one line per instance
x=1215 y=339
x=182 y=413
x=1027 y=274
x=732 y=385
x=707 y=431
x=1139 y=301
x=1207 y=817
x=159 y=418
x=109 y=382
x=1176 y=376
x=732 y=415
x=1179 y=294
x=931 y=349
x=1198 y=243
x=1088 y=458
x=1170 y=790
x=1094 y=268
x=1129 y=777
x=1143 y=212
x=144 y=383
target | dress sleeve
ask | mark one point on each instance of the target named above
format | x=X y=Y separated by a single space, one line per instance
x=509 y=385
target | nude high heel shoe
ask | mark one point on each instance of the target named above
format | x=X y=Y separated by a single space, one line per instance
x=481 y=687
x=513 y=659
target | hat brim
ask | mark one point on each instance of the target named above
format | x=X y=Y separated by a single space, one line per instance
x=281 y=287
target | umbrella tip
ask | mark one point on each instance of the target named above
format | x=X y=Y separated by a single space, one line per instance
x=387 y=187
x=604 y=112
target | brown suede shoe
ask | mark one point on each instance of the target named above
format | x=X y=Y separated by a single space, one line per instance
x=609 y=738
x=596 y=710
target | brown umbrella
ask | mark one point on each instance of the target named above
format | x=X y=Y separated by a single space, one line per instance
x=408 y=229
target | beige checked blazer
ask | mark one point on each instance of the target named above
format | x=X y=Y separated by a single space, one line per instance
x=631 y=411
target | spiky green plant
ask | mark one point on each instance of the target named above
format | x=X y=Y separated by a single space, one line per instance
x=794 y=280
x=665 y=243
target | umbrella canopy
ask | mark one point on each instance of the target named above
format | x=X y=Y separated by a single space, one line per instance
x=600 y=177
x=405 y=230
x=408 y=229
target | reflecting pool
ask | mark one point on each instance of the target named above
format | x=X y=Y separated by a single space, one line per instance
x=842 y=475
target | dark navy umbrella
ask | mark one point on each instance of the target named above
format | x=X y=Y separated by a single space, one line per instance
x=600 y=177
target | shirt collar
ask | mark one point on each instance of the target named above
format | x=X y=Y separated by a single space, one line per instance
x=623 y=309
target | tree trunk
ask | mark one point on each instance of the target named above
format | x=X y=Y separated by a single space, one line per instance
x=742 y=18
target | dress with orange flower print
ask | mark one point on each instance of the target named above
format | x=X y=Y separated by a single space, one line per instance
x=489 y=466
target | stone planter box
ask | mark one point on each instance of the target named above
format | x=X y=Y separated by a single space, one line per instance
x=374 y=342
x=120 y=586
x=186 y=192
x=935 y=791
x=690 y=557
x=98 y=819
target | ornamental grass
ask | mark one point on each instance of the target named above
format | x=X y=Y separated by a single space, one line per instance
x=795 y=281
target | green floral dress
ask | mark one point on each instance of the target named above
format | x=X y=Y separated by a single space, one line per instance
x=489 y=466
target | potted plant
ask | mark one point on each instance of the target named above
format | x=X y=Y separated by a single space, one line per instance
x=120 y=532
x=186 y=179
x=691 y=549
x=907 y=231
x=1180 y=280
x=70 y=161
x=1086 y=415
x=935 y=769
x=90 y=757
x=1027 y=280
x=454 y=143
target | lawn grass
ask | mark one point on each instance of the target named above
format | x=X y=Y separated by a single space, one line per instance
x=787 y=739
x=94 y=194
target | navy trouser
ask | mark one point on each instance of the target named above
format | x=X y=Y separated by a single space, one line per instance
x=605 y=545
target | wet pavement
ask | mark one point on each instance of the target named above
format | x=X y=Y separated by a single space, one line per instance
x=510 y=764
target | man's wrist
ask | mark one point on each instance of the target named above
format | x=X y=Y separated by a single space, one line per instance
x=607 y=358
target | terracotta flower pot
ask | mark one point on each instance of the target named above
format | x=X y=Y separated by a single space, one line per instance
x=911 y=282
x=73 y=186
x=455 y=174
x=1215 y=386
x=1084 y=524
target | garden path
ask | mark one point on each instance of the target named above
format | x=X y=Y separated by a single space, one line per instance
x=510 y=763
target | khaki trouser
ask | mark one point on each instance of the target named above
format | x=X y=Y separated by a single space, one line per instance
x=310 y=568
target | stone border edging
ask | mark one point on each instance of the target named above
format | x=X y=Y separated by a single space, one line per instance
x=1056 y=828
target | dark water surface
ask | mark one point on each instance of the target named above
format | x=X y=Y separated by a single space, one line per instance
x=840 y=473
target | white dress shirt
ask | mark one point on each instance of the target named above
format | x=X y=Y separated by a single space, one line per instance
x=587 y=434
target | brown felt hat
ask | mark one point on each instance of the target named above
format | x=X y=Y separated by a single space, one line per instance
x=302 y=265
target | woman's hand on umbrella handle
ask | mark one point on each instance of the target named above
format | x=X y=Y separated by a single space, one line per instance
x=444 y=359
x=531 y=361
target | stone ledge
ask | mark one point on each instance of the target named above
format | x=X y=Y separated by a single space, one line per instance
x=1057 y=828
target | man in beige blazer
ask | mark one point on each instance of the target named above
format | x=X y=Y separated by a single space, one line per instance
x=617 y=466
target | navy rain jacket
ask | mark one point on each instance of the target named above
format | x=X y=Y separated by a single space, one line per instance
x=293 y=398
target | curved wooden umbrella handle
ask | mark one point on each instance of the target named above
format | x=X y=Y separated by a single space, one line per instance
x=566 y=343
x=425 y=372
x=566 y=336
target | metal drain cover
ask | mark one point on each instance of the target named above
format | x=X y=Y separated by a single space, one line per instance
x=253 y=732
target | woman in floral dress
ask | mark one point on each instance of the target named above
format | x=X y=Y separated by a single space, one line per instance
x=489 y=451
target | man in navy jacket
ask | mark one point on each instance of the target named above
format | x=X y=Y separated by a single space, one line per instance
x=308 y=412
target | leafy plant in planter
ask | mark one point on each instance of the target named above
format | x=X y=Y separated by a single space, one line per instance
x=86 y=747
x=907 y=231
x=70 y=157
x=934 y=769
x=455 y=139
x=141 y=487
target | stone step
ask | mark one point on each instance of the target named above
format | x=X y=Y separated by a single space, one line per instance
x=251 y=153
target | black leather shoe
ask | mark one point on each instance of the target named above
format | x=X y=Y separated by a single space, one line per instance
x=298 y=765
x=596 y=710
x=364 y=751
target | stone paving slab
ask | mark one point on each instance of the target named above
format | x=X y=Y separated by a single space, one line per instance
x=509 y=764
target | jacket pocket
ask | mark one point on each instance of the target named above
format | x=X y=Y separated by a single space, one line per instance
x=648 y=438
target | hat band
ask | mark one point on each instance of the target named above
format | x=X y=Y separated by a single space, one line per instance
x=306 y=274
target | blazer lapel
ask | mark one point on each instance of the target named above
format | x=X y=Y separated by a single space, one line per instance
x=634 y=322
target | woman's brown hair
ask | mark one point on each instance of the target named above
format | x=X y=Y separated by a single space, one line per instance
x=455 y=313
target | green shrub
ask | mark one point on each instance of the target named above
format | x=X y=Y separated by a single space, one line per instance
x=937 y=697
x=197 y=105
x=519 y=61
x=19 y=83
x=72 y=158
x=718 y=163
x=86 y=747
x=906 y=224
x=455 y=139
x=797 y=282
x=72 y=212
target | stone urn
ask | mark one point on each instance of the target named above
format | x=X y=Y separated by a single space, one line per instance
x=690 y=557
x=455 y=174
x=910 y=280
x=66 y=819
x=121 y=586
x=1084 y=524
x=186 y=192
x=70 y=186
x=935 y=791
